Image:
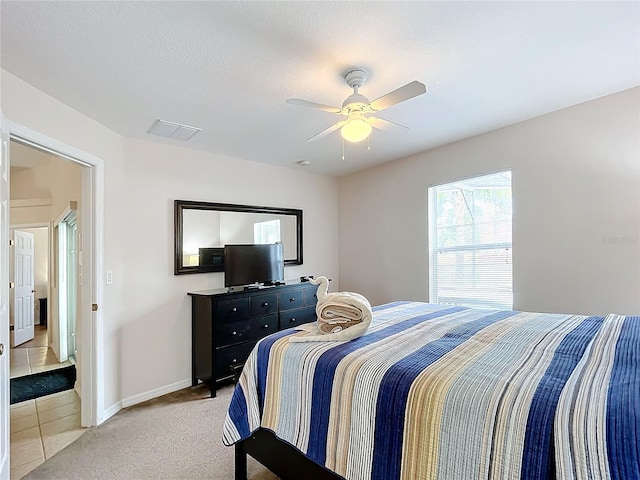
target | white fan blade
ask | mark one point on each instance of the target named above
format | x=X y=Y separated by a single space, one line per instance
x=388 y=125
x=305 y=103
x=327 y=131
x=410 y=90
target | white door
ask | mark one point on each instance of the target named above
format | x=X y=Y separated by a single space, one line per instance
x=24 y=287
x=4 y=300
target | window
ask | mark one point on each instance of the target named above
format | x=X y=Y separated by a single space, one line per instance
x=266 y=232
x=470 y=242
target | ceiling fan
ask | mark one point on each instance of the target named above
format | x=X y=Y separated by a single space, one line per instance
x=357 y=126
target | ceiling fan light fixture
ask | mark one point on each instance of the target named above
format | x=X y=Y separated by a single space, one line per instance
x=356 y=129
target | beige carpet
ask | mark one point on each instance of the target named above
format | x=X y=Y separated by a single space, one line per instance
x=177 y=436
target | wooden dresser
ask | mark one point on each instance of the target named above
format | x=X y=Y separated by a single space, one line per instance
x=225 y=326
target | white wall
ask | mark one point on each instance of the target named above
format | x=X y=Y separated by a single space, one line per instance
x=32 y=182
x=146 y=310
x=576 y=204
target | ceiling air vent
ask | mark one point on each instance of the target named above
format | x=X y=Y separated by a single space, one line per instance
x=162 y=128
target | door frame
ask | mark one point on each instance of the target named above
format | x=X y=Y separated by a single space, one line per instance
x=91 y=341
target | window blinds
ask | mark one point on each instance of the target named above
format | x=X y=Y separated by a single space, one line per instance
x=470 y=246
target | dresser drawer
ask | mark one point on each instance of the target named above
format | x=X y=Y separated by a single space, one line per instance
x=228 y=357
x=264 y=304
x=310 y=296
x=291 y=300
x=253 y=329
x=292 y=318
x=232 y=310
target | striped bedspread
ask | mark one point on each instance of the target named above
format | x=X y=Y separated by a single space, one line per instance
x=440 y=392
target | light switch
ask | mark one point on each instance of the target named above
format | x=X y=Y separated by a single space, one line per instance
x=109 y=277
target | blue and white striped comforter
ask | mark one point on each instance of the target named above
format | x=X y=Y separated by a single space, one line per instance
x=438 y=392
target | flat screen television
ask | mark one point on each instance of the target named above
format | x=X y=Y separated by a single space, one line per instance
x=253 y=264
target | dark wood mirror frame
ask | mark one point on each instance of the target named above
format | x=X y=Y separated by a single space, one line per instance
x=181 y=205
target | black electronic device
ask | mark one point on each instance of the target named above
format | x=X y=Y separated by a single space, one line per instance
x=211 y=256
x=251 y=264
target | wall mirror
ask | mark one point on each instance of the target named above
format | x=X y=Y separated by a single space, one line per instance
x=202 y=229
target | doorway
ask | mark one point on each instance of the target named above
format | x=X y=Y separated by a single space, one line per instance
x=90 y=335
x=89 y=221
x=44 y=304
x=40 y=368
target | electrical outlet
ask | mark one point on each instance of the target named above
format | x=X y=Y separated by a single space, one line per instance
x=109 y=277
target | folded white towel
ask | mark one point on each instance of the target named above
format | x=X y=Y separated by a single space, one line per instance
x=341 y=316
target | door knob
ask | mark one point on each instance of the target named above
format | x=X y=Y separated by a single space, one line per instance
x=1 y=348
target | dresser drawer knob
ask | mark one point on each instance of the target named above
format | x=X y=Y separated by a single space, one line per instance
x=292 y=320
x=234 y=309
x=234 y=360
x=265 y=304
x=234 y=333
x=265 y=326
x=292 y=299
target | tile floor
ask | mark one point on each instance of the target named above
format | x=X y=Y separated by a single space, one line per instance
x=42 y=427
x=34 y=356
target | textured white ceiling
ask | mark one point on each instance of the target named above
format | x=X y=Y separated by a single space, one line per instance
x=228 y=67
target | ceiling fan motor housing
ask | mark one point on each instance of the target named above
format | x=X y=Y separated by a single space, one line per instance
x=355 y=78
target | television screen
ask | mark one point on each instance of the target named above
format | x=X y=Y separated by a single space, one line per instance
x=249 y=264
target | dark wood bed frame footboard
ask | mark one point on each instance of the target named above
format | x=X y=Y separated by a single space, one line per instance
x=286 y=461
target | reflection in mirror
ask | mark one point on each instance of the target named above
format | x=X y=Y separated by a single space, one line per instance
x=202 y=229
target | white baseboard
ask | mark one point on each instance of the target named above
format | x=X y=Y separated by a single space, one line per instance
x=109 y=412
x=157 y=392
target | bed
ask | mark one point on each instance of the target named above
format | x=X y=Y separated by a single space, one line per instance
x=436 y=391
